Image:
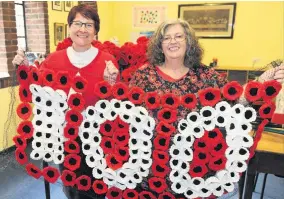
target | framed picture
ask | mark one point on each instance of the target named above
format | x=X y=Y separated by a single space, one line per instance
x=59 y=32
x=56 y=5
x=66 y=30
x=210 y=20
x=67 y=5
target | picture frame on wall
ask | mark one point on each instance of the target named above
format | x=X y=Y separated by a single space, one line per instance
x=59 y=32
x=68 y=5
x=210 y=20
x=56 y=5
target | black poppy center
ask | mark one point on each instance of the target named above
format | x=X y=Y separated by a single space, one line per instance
x=170 y=101
x=76 y=102
x=23 y=75
x=74 y=118
x=197 y=169
x=24 y=110
x=63 y=80
x=26 y=129
x=152 y=100
x=135 y=96
x=212 y=134
x=267 y=110
x=209 y=96
x=167 y=115
x=162 y=142
x=232 y=91
x=270 y=90
x=49 y=77
x=253 y=91
x=158 y=184
x=35 y=76
x=120 y=91
x=50 y=174
x=188 y=100
x=219 y=162
x=218 y=147
x=79 y=85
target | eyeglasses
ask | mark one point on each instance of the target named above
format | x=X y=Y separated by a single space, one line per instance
x=177 y=38
x=79 y=24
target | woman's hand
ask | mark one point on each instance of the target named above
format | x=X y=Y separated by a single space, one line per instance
x=110 y=72
x=276 y=73
x=20 y=59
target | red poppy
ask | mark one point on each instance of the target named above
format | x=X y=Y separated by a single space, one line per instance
x=189 y=101
x=71 y=146
x=253 y=91
x=25 y=93
x=157 y=184
x=209 y=96
x=232 y=90
x=74 y=117
x=213 y=136
x=130 y=194
x=136 y=95
x=202 y=144
x=71 y=131
x=24 y=110
x=161 y=156
x=107 y=128
x=159 y=169
x=79 y=84
x=26 y=129
x=21 y=156
x=218 y=148
x=23 y=75
x=68 y=178
x=217 y=163
x=167 y=195
x=76 y=102
x=121 y=152
x=99 y=187
x=50 y=174
x=33 y=170
x=113 y=162
x=201 y=156
x=48 y=77
x=270 y=89
x=72 y=162
x=162 y=142
x=64 y=44
x=121 y=125
x=63 y=80
x=20 y=142
x=146 y=195
x=152 y=100
x=103 y=90
x=83 y=183
x=267 y=109
x=120 y=91
x=197 y=170
x=35 y=76
x=170 y=100
x=167 y=115
x=121 y=138
x=164 y=128
x=114 y=193
x=107 y=145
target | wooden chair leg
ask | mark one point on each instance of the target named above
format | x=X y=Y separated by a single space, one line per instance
x=263 y=186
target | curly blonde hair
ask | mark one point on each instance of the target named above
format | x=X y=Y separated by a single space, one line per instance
x=194 y=51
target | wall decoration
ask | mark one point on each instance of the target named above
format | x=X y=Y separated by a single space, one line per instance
x=148 y=16
x=59 y=32
x=210 y=20
x=68 y=5
x=56 y=5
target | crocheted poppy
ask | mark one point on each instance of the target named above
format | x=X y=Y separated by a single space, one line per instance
x=209 y=96
x=24 y=110
x=68 y=178
x=136 y=95
x=20 y=142
x=99 y=187
x=189 y=101
x=76 y=102
x=232 y=90
x=202 y=144
x=157 y=184
x=79 y=84
x=197 y=170
x=72 y=162
x=71 y=131
x=270 y=89
x=48 y=77
x=213 y=136
x=71 y=146
x=107 y=128
x=253 y=91
x=120 y=91
x=146 y=195
x=218 y=148
x=152 y=100
x=35 y=76
x=121 y=152
x=165 y=129
x=21 y=156
x=167 y=115
x=107 y=145
x=217 y=163
x=162 y=142
x=50 y=174
x=26 y=129
x=267 y=109
x=114 y=193
x=160 y=156
x=103 y=90
x=121 y=125
x=74 y=117
x=121 y=138
x=130 y=194
x=201 y=156
x=25 y=93
x=113 y=162
x=170 y=100
x=83 y=183
x=159 y=169
x=33 y=170
x=63 y=80
x=23 y=75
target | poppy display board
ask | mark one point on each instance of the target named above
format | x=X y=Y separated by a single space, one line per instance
x=200 y=155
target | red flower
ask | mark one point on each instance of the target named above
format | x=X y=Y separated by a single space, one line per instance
x=209 y=96
x=68 y=178
x=71 y=131
x=120 y=91
x=146 y=195
x=121 y=138
x=64 y=44
x=213 y=136
x=130 y=194
x=114 y=193
x=202 y=144
x=165 y=129
x=162 y=142
x=218 y=148
x=48 y=77
x=270 y=90
x=170 y=100
x=157 y=184
x=63 y=80
x=232 y=90
x=136 y=95
x=76 y=102
x=113 y=162
x=71 y=146
x=23 y=75
x=21 y=156
x=161 y=156
x=121 y=125
x=33 y=171
x=25 y=93
x=167 y=115
x=121 y=153
x=26 y=129
x=107 y=128
x=24 y=110
x=79 y=84
x=83 y=183
x=189 y=101
x=103 y=89
x=253 y=91
x=20 y=142
x=267 y=110
x=167 y=195
x=35 y=76
x=197 y=170
x=201 y=156
x=74 y=118
x=72 y=162
x=99 y=187
x=152 y=100
x=107 y=145
x=159 y=169
x=217 y=163
x=50 y=174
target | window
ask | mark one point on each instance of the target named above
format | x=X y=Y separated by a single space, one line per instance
x=21 y=25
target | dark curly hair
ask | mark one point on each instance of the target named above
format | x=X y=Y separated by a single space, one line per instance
x=194 y=51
